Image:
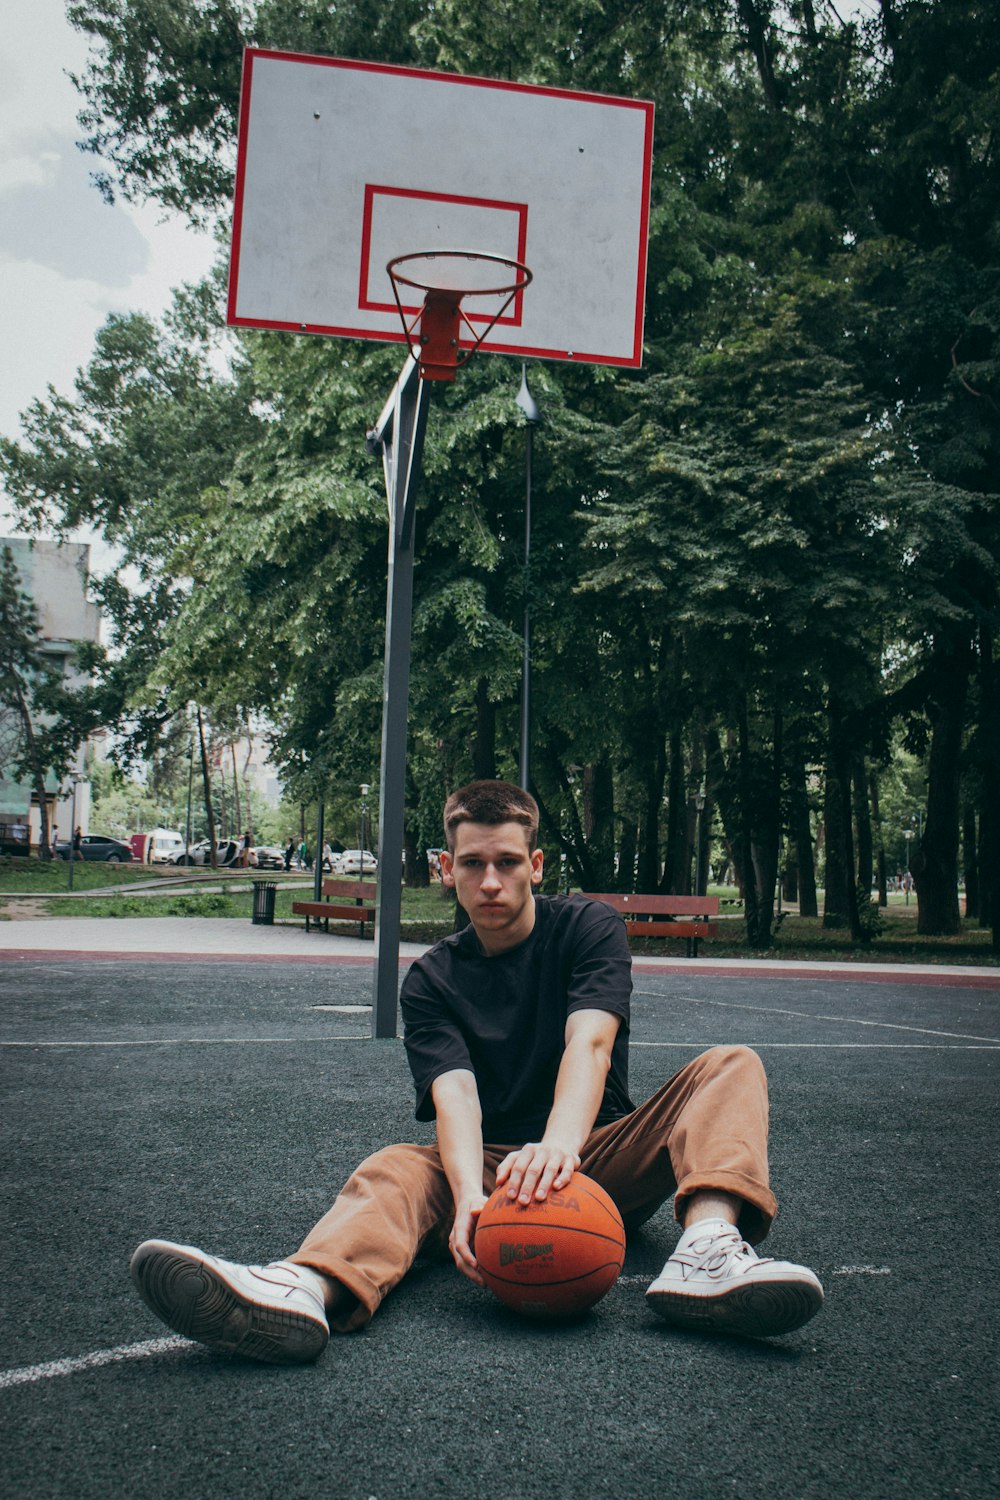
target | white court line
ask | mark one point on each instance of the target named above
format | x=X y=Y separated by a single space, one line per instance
x=804 y=1015
x=29 y=1374
x=837 y=1046
x=201 y=1041
x=344 y=1010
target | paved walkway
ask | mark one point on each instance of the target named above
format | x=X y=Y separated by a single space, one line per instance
x=184 y=937
x=223 y=939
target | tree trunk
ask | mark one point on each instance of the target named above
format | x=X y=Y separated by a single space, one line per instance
x=207 y=784
x=863 y=823
x=766 y=841
x=935 y=866
x=989 y=836
x=599 y=824
x=416 y=868
x=802 y=838
x=247 y=800
x=37 y=773
x=880 y=875
x=417 y=871
x=568 y=829
x=790 y=875
x=236 y=791
x=970 y=862
x=840 y=904
x=674 y=881
x=484 y=749
x=649 y=829
x=760 y=829
x=755 y=23
x=703 y=846
x=626 y=856
x=721 y=779
x=985 y=873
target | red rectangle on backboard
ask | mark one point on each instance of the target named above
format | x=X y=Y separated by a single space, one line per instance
x=511 y=239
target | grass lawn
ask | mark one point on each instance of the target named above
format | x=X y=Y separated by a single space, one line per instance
x=428 y=914
x=26 y=876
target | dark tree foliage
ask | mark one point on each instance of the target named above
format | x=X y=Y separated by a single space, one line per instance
x=758 y=564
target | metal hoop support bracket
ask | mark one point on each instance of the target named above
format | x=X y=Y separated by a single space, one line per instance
x=434 y=334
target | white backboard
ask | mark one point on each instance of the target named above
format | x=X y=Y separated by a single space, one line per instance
x=344 y=165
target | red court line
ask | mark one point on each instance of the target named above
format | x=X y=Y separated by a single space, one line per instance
x=189 y=958
x=691 y=969
x=856 y=976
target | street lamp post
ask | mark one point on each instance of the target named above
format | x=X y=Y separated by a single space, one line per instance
x=699 y=807
x=320 y=840
x=187 y=831
x=362 y=846
x=908 y=836
x=77 y=778
x=532 y=416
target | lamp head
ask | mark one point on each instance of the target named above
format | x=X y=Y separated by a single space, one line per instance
x=526 y=401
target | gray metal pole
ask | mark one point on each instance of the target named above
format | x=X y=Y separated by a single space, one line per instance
x=532 y=414
x=400 y=433
x=525 y=763
x=187 y=827
x=318 y=866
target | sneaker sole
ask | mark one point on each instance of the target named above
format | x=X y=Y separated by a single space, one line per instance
x=195 y=1299
x=758 y=1309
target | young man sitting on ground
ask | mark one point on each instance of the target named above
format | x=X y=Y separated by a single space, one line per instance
x=516 y=1032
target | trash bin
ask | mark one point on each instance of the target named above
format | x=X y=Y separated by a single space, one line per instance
x=263 y=902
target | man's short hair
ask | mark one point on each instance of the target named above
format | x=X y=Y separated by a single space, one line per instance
x=491 y=802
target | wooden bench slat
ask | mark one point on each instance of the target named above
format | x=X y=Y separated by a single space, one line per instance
x=627 y=904
x=330 y=909
x=364 y=889
x=671 y=929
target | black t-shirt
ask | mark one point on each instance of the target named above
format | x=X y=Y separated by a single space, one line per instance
x=505 y=1017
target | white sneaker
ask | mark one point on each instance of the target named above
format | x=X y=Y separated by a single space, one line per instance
x=716 y=1282
x=273 y=1313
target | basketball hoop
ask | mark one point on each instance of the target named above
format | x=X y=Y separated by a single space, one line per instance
x=446 y=277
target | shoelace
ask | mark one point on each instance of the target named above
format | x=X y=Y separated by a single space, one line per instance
x=715 y=1254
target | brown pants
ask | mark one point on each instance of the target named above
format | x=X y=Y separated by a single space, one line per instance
x=706 y=1128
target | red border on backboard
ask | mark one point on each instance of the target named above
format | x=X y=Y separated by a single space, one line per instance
x=577 y=356
x=372 y=190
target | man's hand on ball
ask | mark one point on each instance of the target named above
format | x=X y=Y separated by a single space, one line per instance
x=463 y=1230
x=535 y=1169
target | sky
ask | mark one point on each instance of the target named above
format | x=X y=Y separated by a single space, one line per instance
x=67 y=259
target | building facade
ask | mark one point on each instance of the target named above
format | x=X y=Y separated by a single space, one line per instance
x=55 y=576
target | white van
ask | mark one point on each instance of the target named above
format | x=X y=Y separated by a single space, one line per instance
x=163 y=846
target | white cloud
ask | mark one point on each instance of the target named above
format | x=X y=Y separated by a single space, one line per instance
x=66 y=257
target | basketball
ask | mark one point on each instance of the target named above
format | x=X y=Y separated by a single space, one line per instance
x=554 y=1258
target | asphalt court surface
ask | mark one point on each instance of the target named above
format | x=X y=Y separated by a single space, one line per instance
x=223 y=1105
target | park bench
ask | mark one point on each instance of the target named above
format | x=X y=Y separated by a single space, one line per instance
x=665 y=916
x=343 y=900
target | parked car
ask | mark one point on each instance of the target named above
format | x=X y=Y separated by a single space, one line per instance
x=227 y=854
x=357 y=862
x=97 y=846
x=268 y=857
x=195 y=854
x=164 y=846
